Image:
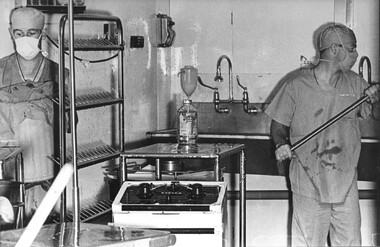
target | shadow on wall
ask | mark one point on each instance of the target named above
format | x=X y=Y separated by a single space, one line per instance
x=281 y=83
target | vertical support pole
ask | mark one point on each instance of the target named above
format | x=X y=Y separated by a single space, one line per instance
x=62 y=113
x=20 y=178
x=242 y=202
x=217 y=170
x=158 y=175
x=76 y=210
x=22 y=189
x=123 y=170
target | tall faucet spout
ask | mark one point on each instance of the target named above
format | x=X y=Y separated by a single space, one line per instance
x=219 y=77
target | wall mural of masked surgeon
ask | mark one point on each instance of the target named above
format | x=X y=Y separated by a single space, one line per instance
x=28 y=115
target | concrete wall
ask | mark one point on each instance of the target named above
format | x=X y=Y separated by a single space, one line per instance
x=264 y=40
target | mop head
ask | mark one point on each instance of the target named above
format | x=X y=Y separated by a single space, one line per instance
x=6 y=211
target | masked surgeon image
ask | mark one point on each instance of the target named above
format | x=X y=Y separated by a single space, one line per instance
x=28 y=114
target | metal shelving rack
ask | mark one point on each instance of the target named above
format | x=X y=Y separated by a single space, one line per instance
x=84 y=156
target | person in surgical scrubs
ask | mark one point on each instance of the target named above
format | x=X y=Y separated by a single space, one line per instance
x=28 y=114
x=323 y=171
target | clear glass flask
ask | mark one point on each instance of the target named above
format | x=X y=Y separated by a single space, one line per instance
x=187 y=127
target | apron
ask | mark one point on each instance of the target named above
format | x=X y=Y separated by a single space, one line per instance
x=27 y=118
x=328 y=162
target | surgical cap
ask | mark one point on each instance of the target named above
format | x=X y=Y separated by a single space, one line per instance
x=28 y=15
x=334 y=34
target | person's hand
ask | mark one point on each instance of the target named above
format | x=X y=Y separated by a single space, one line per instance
x=283 y=152
x=373 y=92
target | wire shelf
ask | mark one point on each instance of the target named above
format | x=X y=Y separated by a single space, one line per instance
x=87 y=213
x=93 y=44
x=95 y=99
x=90 y=154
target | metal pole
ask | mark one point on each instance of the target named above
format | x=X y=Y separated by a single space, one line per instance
x=122 y=170
x=216 y=170
x=158 y=175
x=20 y=177
x=242 y=205
x=62 y=113
x=328 y=123
x=76 y=219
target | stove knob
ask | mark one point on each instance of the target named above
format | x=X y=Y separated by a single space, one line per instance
x=145 y=190
x=173 y=186
x=168 y=199
x=197 y=190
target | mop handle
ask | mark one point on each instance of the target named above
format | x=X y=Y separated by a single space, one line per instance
x=47 y=204
x=328 y=123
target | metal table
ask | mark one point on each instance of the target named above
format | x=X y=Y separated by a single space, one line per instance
x=92 y=235
x=214 y=151
x=7 y=153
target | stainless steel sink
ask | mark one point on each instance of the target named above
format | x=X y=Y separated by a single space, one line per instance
x=254 y=133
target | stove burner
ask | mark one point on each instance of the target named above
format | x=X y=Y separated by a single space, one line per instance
x=170 y=194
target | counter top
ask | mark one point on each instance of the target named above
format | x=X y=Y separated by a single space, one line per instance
x=92 y=235
x=238 y=136
x=170 y=150
x=173 y=132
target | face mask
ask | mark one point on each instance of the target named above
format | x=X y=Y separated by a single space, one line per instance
x=341 y=45
x=343 y=64
x=27 y=47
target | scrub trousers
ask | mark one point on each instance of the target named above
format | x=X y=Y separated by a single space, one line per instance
x=313 y=221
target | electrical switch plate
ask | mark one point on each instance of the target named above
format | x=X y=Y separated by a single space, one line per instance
x=137 y=41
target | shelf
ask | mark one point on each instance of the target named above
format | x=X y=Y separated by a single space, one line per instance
x=94 y=45
x=93 y=100
x=85 y=155
x=88 y=156
x=50 y=9
x=91 y=154
x=87 y=214
x=18 y=204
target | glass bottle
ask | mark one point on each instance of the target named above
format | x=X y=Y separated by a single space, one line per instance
x=187 y=127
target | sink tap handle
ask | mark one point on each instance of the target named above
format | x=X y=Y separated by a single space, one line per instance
x=249 y=110
x=245 y=97
x=201 y=82
x=238 y=81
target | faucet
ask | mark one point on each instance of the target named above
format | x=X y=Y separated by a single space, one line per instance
x=216 y=100
x=219 y=77
x=362 y=59
x=253 y=110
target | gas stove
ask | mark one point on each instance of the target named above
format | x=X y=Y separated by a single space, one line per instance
x=193 y=210
x=173 y=196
